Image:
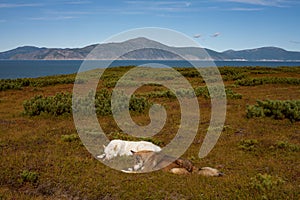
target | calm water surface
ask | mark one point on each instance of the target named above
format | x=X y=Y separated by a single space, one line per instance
x=11 y=69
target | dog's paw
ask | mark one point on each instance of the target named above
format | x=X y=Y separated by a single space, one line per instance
x=102 y=156
x=129 y=170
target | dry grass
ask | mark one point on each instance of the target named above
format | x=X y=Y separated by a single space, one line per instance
x=66 y=170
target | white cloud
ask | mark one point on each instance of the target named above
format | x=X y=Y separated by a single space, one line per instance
x=245 y=9
x=78 y=2
x=64 y=13
x=168 y=6
x=52 y=18
x=52 y=15
x=217 y=34
x=132 y=12
x=197 y=36
x=16 y=5
x=182 y=3
x=275 y=3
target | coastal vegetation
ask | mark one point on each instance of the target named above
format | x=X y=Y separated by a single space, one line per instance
x=42 y=156
x=276 y=109
x=7 y=84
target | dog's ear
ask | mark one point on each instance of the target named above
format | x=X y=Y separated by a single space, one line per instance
x=133 y=152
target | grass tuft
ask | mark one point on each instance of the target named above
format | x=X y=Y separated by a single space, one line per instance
x=70 y=138
x=29 y=176
x=248 y=144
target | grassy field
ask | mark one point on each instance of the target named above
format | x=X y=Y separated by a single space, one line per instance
x=259 y=149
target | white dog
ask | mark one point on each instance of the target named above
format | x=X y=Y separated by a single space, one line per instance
x=121 y=147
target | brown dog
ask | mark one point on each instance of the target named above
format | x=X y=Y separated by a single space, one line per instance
x=146 y=161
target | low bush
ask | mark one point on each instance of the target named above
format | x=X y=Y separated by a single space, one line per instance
x=61 y=104
x=52 y=80
x=199 y=91
x=276 y=109
x=160 y=94
x=29 y=176
x=103 y=103
x=17 y=84
x=70 y=138
x=230 y=94
x=217 y=92
x=284 y=145
x=202 y=91
x=191 y=73
x=11 y=84
x=138 y=104
x=111 y=83
x=248 y=144
x=56 y=105
x=265 y=183
x=169 y=94
x=267 y=80
x=232 y=73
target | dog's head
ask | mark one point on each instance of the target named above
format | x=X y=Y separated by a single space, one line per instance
x=139 y=158
x=188 y=165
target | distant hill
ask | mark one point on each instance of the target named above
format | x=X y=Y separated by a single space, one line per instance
x=147 y=50
x=264 y=53
x=35 y=53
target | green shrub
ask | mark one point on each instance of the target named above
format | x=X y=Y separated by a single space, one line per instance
x=10 y=84
x=232 y=73
x=138 y=104
x=202 y=91
x=103 y=103
x=28 y=176
x=52 y=80
x=217 y=92
x=189 y=72
x=17 y=84
x=248 y=144
x=61 y=104
x=284 y=145
x=289 y=109
x=228 y=73
x=199 y=91
x=110 y=83
x=56 y=105
x=267 y=80
x=288 y=69
x=160 y=94
x=265 y=182
x=70 y=138
x=235 y=77
x=230 y=94
x=169 y=94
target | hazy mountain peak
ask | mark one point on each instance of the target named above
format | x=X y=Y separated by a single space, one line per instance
x=147 y=49
x=140 y=39
x=143 y=42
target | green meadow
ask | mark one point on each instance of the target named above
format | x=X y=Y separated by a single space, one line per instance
x=42 y=156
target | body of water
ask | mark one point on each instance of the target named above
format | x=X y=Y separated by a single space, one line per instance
x=11 y=69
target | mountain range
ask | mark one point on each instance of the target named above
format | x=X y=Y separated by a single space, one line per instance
x=147 y=50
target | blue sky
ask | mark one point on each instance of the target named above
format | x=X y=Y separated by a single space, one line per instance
x=216 y=24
